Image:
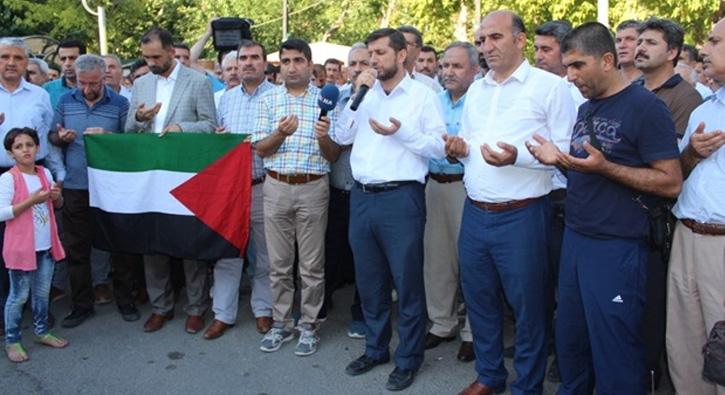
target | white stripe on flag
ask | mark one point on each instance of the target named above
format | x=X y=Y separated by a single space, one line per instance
x=136 y=192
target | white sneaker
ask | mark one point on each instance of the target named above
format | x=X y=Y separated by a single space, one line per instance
x=307 y=344
x=274 y=339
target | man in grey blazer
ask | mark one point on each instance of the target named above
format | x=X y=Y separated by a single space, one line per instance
x=172 y=98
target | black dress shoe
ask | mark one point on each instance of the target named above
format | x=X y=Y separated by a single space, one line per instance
x=433 y=341
x=129 y=312
x=400 y=379
x=77 y=317
x=363 y=365
x=465 y=353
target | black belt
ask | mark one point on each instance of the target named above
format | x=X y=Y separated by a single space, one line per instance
x=383 y=186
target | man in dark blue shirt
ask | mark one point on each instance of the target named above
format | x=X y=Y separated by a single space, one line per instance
x=89 y=108
x=623 y=150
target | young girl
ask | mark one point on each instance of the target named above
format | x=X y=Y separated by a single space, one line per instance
x=31 y=245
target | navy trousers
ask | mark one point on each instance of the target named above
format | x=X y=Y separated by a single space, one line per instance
x=386 y=236
x=602 y=287
x=506 y=252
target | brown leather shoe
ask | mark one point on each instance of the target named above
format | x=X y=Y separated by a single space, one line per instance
x=477 y=388
x=216 y=329
x=264 y=324
x=465 y=352
x=194 y=323
x=156 y=322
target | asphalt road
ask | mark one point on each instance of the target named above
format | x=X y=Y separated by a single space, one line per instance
x=107 y=355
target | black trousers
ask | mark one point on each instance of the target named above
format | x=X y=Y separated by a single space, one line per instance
x=77 y=239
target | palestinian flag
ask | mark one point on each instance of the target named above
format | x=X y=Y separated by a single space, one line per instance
x=185 y=195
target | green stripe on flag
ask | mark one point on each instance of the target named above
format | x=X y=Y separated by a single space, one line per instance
x=133 y=152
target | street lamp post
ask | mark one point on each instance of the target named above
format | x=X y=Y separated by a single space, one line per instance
x=101 y=14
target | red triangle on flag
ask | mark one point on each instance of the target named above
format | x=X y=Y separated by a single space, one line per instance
x=220 y=195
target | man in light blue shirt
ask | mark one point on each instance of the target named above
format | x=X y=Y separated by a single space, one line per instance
x=445 y=195
x=22 y=104
x=697 y=273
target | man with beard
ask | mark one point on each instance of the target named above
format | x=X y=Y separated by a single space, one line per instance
x=394 y=132
x=414 y=42
x=90 y=108
x=339 y=265
x=237 y=114
x=444 y=196
x=427 y=62
x=66 y=53
x=151 y=112
x=626 y=43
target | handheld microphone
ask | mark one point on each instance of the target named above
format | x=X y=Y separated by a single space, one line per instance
x=328 y=99
x=362 y=90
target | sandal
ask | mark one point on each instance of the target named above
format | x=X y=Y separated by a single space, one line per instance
x=16 y=352
x=52 y=340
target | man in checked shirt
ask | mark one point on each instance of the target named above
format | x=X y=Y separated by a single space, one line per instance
x=296 y=195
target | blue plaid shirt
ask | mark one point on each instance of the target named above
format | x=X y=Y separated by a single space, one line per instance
x=237 y=112
x=299 y=153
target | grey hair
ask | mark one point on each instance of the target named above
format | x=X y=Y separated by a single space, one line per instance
x=15 y=42
x=471 y=51
x=115 y=59
x=232 y=55
x=88 y=62
x=42 y=65
x=355 y=47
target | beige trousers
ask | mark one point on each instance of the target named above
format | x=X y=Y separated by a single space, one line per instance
x=444 y=208
x=695 y=301
x=296 y=213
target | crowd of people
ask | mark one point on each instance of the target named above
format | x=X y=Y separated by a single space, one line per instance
x=582 y=194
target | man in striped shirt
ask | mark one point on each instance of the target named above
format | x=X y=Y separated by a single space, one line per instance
x=296 y=151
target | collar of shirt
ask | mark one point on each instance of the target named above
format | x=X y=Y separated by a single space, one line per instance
x=719 y=95
x=311 y=89
x=174 y=73
x=519 y=74
x=261 y=88
x=448 y=100
x=64 y=83
x=403 y=86
x=24 y=85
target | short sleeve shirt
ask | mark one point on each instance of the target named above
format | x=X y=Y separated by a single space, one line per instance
x=634 y=128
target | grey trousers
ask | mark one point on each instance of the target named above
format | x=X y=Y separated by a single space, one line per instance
x=158 y=284
x=228 y=272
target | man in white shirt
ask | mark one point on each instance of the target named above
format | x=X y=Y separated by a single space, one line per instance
x=504 y=232
x=414 y=42
x=695 y=285
x=230 y=76
x=394 y=132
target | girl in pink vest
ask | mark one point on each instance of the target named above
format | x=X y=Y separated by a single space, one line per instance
x=31 y=245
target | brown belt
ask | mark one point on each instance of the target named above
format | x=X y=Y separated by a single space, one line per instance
x=446 y=178
x=257 y=181
x=704 y=229
x=294 y=178
x=503 y=206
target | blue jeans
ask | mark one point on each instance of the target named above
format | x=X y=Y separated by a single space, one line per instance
x=23 y=284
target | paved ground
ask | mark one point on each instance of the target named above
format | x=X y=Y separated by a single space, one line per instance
x=110 y=356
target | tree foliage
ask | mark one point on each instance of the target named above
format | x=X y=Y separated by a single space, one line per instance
x=341 y=21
